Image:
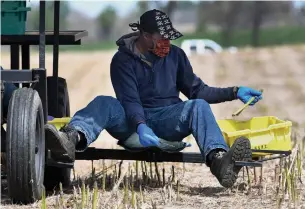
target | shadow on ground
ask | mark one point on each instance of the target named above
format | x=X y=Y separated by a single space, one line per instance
x=204 y=191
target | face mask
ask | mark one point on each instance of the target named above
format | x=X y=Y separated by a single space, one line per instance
x=161 y=48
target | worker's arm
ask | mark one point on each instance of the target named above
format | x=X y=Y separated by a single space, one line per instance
x=125 y=86
x=194 y=88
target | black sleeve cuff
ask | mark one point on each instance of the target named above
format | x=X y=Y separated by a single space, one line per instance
x=235 y=90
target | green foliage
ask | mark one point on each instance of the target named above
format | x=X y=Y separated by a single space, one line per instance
x=268 y=37
x=33 y=19
x=103 y=45
x=242 y=38
x=106 y=19
x=142 y=6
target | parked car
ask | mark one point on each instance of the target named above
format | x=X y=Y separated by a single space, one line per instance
x=203 y=46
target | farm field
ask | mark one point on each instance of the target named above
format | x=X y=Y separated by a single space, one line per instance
x=279 y=71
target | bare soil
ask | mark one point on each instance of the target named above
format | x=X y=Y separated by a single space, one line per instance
x=278 y=71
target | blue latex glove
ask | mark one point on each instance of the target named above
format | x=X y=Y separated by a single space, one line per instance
x=50 y=118
x=147 y=136
x=245 y=94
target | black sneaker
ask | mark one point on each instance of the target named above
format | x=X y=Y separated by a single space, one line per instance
x=223 y=166
x=61 y=143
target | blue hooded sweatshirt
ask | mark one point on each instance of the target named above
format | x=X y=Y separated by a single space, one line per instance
x=147 y=81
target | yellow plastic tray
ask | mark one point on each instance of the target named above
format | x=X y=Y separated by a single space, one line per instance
x=264 y=133
x=59 y=122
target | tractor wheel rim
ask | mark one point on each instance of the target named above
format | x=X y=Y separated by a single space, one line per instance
x=38 y=148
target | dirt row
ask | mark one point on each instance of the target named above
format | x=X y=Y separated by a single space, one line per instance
x=278 y=71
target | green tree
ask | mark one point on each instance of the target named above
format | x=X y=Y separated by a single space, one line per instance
x=202 y=15
x=229 y=16
x=142 y=6
x=261 y=10
x=33 y=19
x=106 y=20
x=167 y=7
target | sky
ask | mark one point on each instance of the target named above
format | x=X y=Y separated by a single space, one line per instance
x=93 y=7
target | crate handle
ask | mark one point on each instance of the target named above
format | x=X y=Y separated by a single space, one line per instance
x=18 y=10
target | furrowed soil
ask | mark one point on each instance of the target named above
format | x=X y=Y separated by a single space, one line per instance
x=278 y=71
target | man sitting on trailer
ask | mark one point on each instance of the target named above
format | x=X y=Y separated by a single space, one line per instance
x=147 y=74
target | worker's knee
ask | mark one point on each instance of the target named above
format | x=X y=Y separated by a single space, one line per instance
x=196 y=107
x=201 y=104
x=105 y=100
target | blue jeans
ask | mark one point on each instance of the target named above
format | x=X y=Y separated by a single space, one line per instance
x=172 y=123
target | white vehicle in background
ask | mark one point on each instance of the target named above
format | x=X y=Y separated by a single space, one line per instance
x=203 y=46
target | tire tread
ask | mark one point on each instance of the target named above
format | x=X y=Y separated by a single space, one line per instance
x=23 y=109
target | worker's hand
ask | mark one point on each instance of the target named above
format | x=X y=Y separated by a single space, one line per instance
x=147 y=136
x=245 y=94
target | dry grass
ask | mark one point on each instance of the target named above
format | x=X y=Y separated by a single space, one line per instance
x=140 y=185
x=109 y=184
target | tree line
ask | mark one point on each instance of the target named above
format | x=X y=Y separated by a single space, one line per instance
x=226 y=16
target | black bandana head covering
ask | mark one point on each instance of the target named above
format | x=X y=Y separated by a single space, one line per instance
x=156 y=21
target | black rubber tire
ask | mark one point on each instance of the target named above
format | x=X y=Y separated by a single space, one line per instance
x=25 y=146
x=55 y=175
x=63 y=98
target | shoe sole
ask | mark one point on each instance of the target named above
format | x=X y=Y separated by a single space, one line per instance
x=61 y=151
x=242 y=152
